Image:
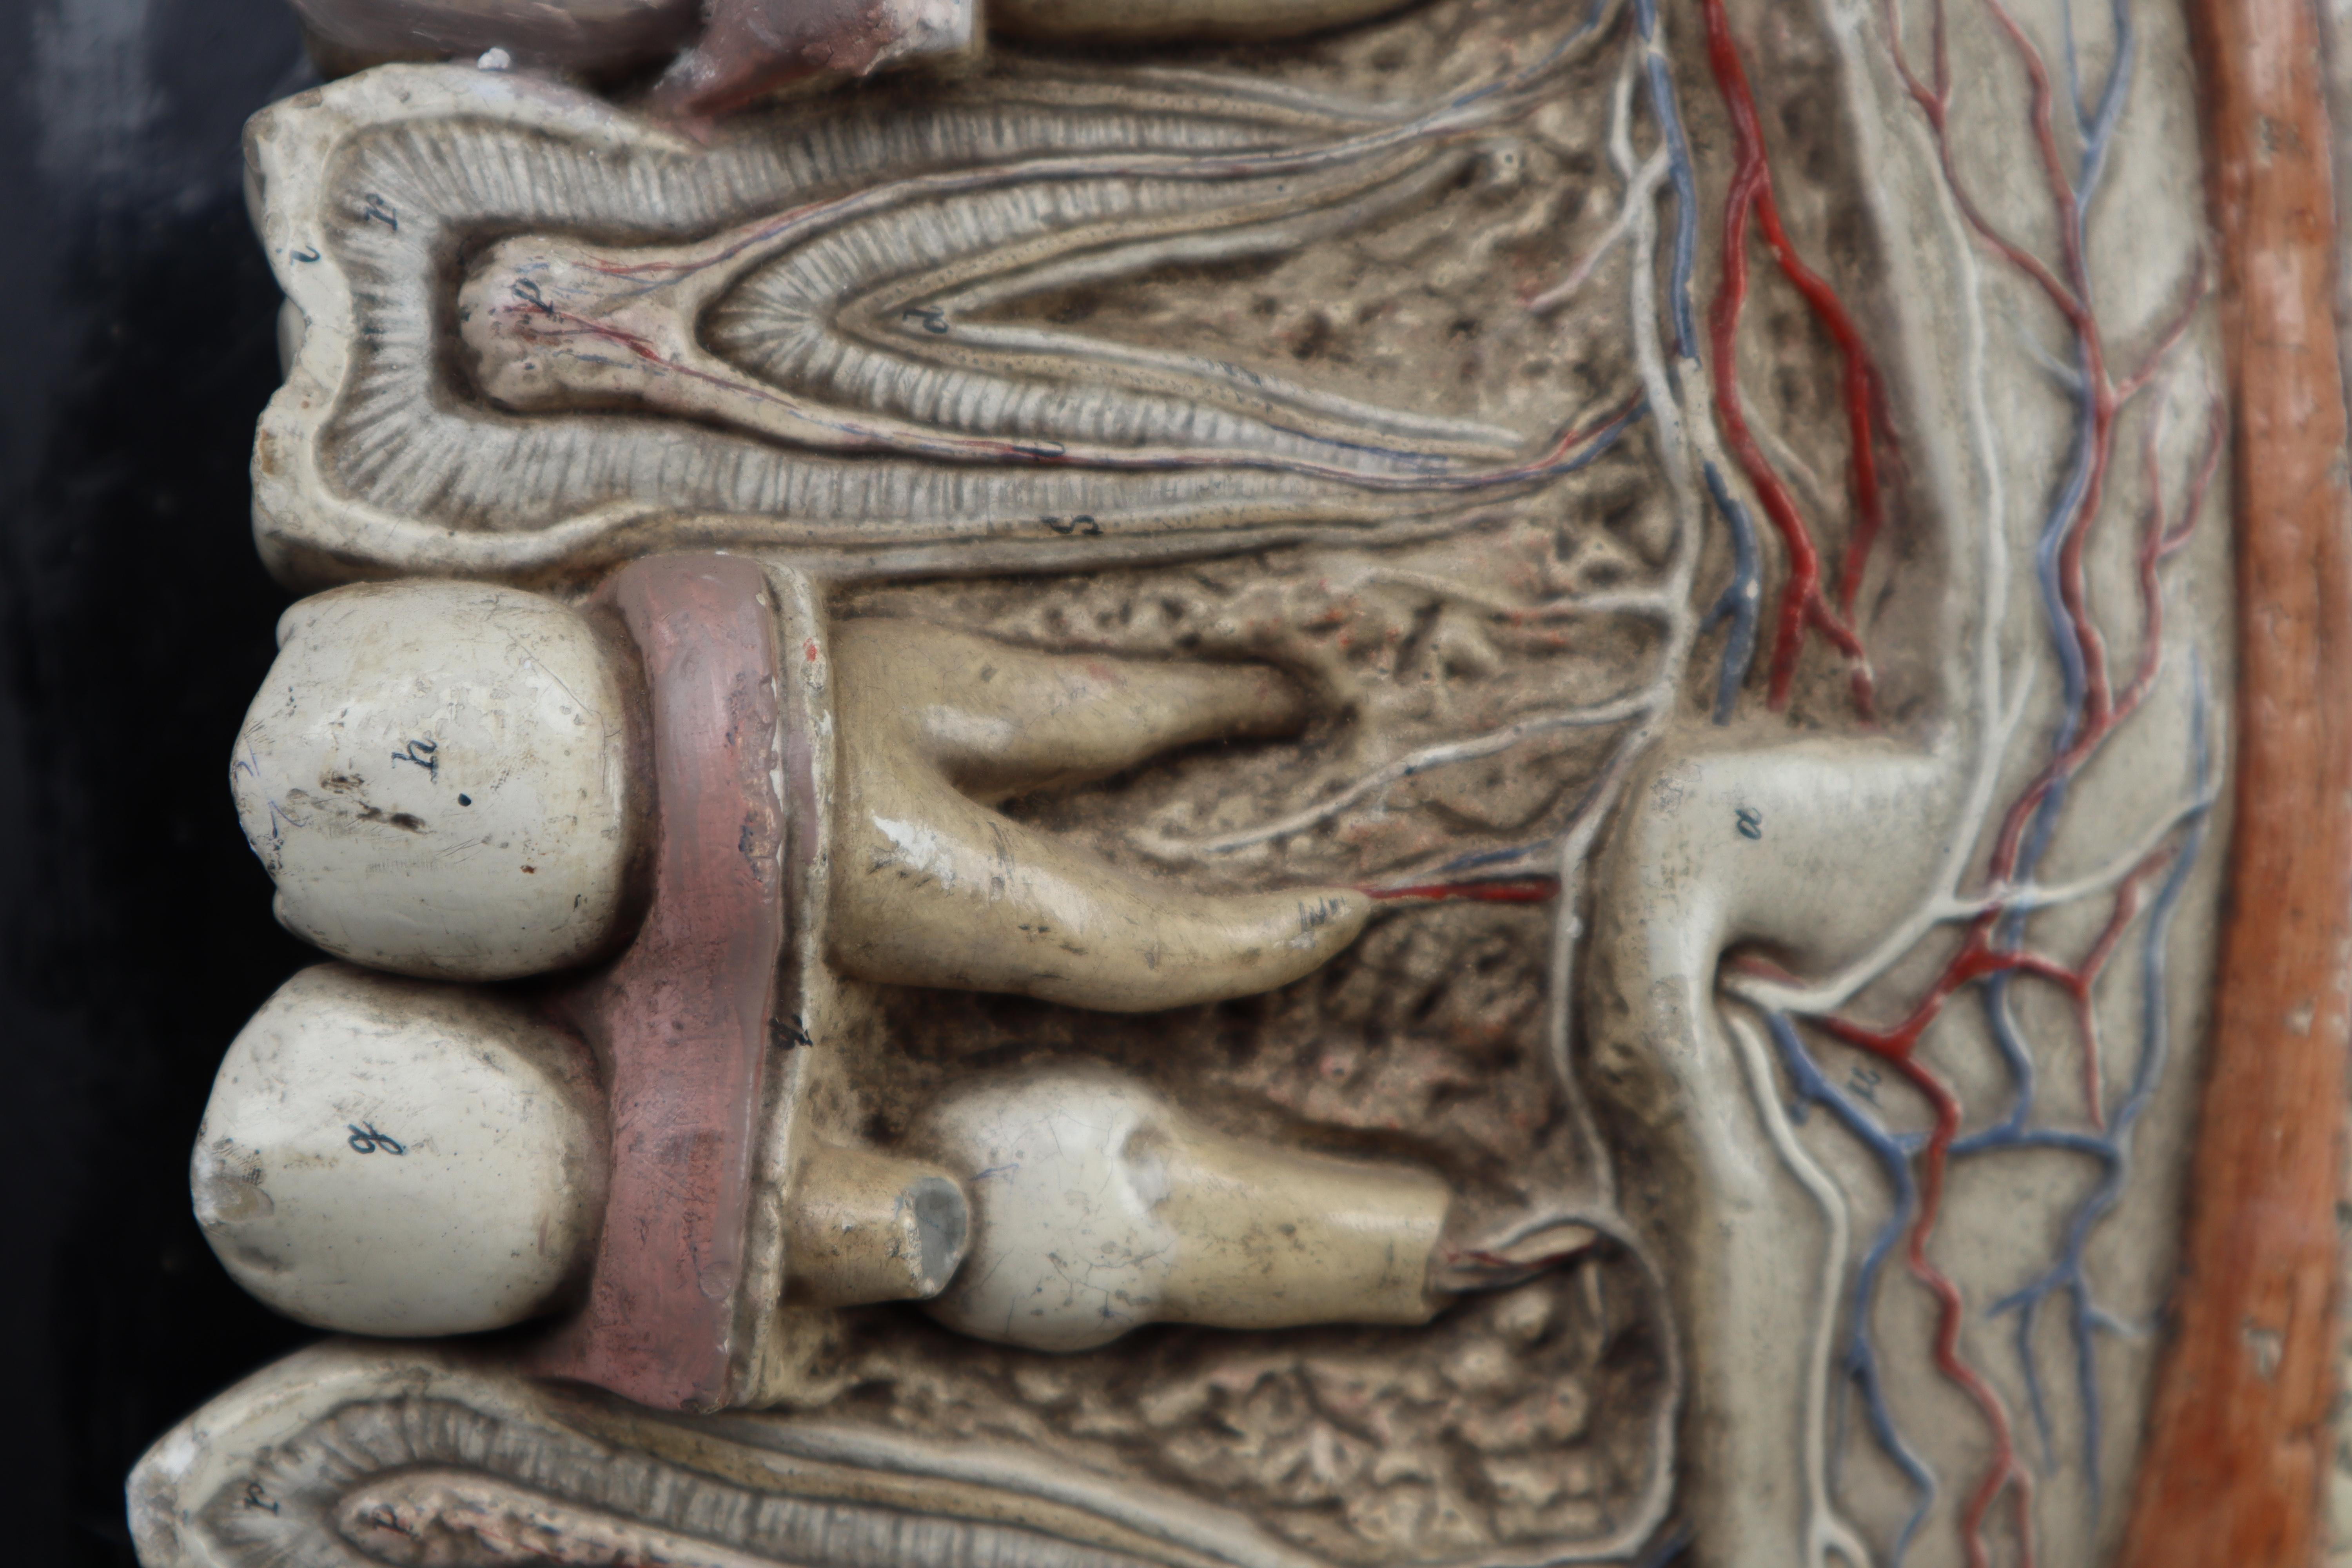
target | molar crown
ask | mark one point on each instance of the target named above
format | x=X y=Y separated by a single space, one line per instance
x=435 y=775
x=382 y=1156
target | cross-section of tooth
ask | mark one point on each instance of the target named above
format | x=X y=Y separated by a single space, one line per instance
x=788 y=328
x=932 y=887
x=821 y=329
x=1098 y=1208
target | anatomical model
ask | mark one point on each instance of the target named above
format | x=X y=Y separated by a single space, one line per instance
x=472 y=817
x=1280 y=786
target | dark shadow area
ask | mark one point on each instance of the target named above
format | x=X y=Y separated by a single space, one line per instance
x=135 y=625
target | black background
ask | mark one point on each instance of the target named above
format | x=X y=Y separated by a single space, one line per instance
x=136 y=348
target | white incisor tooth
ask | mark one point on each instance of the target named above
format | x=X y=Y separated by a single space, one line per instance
x=1097 y=1207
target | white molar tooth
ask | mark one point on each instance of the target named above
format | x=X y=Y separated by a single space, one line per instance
x=435 y=776
x=385 y=1156
x=392 y=1157
x=1098 y=1208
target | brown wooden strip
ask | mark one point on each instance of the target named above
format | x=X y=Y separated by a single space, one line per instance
x=2238 y=1441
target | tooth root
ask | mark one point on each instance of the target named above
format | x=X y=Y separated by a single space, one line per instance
x=934 y=888
x=868 y=1227
x=1097 y=1207
x=1000 y=720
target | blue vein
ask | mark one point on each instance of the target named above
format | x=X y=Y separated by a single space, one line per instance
x=1742 y=600
x=1861 y=1358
